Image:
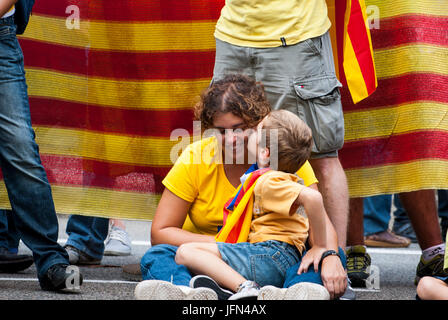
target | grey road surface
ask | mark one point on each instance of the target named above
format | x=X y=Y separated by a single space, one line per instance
x=395 y=267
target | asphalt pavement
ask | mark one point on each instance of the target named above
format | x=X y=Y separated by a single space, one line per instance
x=395 y=269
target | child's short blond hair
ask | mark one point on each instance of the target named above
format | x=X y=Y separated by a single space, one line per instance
x=294 y=139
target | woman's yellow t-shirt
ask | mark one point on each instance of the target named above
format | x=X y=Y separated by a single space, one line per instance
x=199 y=178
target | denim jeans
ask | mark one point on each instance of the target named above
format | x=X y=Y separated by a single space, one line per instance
x=377 y=213
x=25 y=178
x=87 y=234
x=9 y=236
x=158 y=264
x=293 y=278
x=265 y=262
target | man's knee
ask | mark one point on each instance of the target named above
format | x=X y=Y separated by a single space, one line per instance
x=325 y=168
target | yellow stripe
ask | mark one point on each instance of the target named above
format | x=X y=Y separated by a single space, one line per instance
x=106 y=147
x=98 y=202
x=126 y=36
x=411 y=58
x=404 y=118
x=400 y=7
x=404 y=177
x=115 y=93
x=355 y=80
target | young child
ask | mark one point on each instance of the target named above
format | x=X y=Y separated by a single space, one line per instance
x=278 y=231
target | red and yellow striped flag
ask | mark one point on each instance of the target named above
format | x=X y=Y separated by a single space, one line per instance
x=352 y=47
x=396 y=140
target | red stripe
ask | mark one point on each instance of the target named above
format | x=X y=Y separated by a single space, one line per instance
x=408 y=29
x=357 y=32
x=94 y=173
x=395 y=149
x=119 y=65
x=127 y=11
x=66 y=114
x=78 y=172
x=398 y=90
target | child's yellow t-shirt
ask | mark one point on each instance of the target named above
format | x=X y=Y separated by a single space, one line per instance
x=274 y=194
x=196 y=178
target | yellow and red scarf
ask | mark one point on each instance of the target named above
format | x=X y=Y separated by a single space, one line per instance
x=237 y=213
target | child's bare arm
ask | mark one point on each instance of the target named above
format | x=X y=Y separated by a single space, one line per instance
x=314 y=207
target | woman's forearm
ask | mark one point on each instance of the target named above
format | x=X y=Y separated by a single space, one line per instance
x=176 y=236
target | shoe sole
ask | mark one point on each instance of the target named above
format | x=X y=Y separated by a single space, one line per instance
x=299 y=291
x=201 y=281
x=383 y=244
x=358 y=279
x=163 y=290
x=16 y=266
x=116 y=253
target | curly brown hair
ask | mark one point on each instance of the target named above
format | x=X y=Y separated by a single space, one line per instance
x=235 y=93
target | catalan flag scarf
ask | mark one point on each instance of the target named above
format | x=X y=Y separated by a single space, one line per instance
x=237 y=213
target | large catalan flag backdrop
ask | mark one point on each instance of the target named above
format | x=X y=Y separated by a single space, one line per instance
x=396 y=140
x=106 y=92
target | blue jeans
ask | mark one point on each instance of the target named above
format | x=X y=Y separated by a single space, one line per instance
x=25 y=178
x=87 y=234
x=158 y=264
x=265 y=262
x=9 y=236
x=377 y=213
x=293 y=278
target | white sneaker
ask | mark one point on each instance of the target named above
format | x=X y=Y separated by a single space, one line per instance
x=163 y=290
x=118 y=243
x=299 y=291
x=248 y=290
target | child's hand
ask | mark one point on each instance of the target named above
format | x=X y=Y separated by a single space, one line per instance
x=311 y=257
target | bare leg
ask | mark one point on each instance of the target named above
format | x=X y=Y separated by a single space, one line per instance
x=204 y=258
x=355 y=233
x=422 y=211
x=333 y=186
x=430 y=288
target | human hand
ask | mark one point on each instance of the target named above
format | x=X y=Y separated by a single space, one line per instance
x=311 y=257
x=334 y=276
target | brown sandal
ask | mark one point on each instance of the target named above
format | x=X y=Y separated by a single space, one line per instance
x=386 y=239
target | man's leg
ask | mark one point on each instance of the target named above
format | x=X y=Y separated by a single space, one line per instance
x=333 y=186
x=86 y=236
x=24 y=176
x=422 y=211
x=358 y=260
